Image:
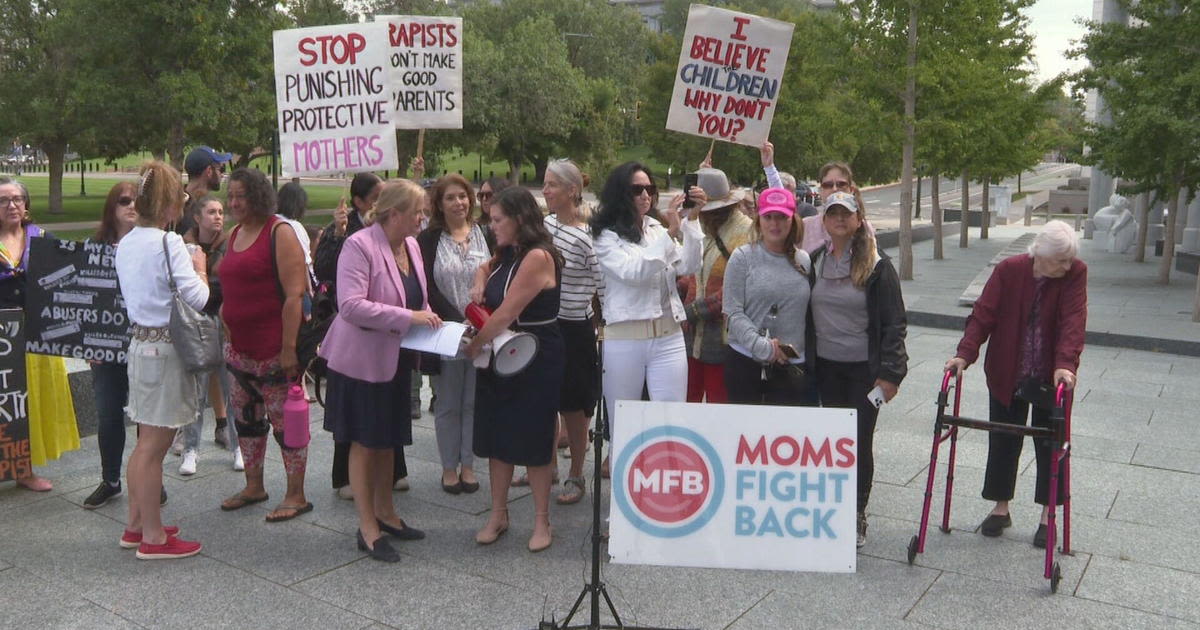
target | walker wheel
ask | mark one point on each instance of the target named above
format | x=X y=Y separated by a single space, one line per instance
x=912 y=549
x=945 y=530
x=1055 y=577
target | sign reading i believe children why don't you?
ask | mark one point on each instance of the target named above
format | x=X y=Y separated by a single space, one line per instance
x=733 y=486
x=333 y=93
x=427 y=79
x=729 y=75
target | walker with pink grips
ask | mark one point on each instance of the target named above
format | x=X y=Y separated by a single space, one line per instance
x=945 y=427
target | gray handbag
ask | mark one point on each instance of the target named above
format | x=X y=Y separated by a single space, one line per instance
x=195 y=336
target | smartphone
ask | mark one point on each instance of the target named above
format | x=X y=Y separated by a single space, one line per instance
x=789 y=351
x=689 y=180
x=875 y=396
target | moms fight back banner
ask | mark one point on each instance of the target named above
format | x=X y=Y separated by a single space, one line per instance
x=427 y=75
x=729 y=75
x=732 y=486
x=333 y=93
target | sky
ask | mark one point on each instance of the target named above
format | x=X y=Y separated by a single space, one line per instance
x=1055 y=29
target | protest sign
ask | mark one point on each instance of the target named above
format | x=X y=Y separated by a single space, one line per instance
x=332 y=91
x=729 y=75
x=426 y=61
x=72 y=302
x=733 y=486
x=14 y=398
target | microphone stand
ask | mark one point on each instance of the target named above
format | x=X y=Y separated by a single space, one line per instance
x=594 y=589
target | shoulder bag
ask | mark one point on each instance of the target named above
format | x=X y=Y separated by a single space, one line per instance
x=195 y=336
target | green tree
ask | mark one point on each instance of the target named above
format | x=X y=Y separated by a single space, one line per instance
x=1149 y=75
x=43 y=101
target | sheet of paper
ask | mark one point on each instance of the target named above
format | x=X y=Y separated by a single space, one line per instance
x=444 y=340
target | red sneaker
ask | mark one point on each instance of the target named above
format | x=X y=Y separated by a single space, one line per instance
x=131 y=539
x=170 y=550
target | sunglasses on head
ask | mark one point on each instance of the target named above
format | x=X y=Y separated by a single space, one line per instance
x=638 y=189
x=125 y=201
x=839 y=184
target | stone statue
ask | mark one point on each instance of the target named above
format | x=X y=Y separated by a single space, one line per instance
x=1123 y=233
x=1108 y=215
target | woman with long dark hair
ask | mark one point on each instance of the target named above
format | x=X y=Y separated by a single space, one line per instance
x=515 y=419
x=110 y=379
x=640 y=262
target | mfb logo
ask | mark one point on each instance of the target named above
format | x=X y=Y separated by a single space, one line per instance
x=671 y=481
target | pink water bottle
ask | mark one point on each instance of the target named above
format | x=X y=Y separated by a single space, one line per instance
x=295 y=418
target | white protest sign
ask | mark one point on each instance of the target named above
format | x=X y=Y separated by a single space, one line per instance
x=734 y=486
x=425 y=53
x=332 y=90
x=729 y=75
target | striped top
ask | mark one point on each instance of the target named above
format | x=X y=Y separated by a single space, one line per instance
x=581 y=277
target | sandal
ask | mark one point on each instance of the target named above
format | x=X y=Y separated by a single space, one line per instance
x=296 y=510
x=574 y=489
x=239 y=501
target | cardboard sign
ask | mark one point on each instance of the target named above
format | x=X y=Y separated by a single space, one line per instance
x=73 y=304
x=427 y=79
x=729 y=75
x=14 y=398
x=332 y=91
x=734 y=486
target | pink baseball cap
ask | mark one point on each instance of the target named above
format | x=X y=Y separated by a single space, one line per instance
x=777 y=200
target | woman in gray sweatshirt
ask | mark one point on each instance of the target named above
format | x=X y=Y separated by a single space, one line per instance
x=765 y=302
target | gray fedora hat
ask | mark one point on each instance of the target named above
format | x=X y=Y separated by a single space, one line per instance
x=716 y=187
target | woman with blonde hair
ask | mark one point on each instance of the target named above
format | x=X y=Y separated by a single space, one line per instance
x=858 y=328
x=163 y=395
x=381 y=295
x=581 y=283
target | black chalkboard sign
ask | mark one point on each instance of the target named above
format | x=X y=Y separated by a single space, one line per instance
x=14 y=398
x=73 y=305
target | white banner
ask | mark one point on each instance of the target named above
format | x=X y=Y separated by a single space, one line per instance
x=734 y=486
x=729 y=75
x=332 y=91
x=426 y=59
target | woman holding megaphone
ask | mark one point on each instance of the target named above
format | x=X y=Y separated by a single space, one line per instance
x=515 y=418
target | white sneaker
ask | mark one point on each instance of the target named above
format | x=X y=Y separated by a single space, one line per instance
x=188 y=466
x=346 y=493
x=238 y=462
x=401 y=484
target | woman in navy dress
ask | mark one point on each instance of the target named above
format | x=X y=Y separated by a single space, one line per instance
x=514 y=417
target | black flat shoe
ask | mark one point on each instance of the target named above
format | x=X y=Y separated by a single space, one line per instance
x=401 y=533
x=1039 y=537
x=469 y=486
x=382 y=552
x=994 y=525
x=452 y=488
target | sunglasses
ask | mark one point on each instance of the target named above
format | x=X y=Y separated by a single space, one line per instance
x=638 y=189
x=125 y=201
x=483 y=196
x=839 y=184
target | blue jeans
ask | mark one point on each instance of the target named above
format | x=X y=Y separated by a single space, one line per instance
x=110 y=385
x=191 y=432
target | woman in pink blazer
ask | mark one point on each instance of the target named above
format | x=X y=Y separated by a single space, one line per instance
x=381 y=294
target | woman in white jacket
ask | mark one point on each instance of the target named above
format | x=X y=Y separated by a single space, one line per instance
x=643 y=343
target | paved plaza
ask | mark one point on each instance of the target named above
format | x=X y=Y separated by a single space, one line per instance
x=1136 y=478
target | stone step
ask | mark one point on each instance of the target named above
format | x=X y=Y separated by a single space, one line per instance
x=975 y=289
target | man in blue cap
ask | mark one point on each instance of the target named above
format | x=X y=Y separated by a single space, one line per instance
x=205 y=168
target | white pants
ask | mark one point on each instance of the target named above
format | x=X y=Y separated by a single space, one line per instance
x=660 y=364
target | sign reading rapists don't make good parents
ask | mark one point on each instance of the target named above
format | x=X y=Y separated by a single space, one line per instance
x=734 y=486
x=14 y=398
x=729 y=75
x=333 y=92
x=426 y=61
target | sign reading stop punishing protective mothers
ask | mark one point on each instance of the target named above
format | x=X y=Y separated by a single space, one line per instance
x=333 y=93
x=733 y=486
x=426 y=62
x=729 y=75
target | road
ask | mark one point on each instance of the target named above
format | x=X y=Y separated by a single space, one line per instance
x=884 y=202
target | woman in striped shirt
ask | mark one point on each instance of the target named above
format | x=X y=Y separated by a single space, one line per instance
x=581 y=281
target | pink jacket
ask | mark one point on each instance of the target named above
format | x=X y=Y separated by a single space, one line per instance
x=364 y=340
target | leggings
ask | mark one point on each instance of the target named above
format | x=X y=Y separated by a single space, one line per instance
x=266 y=415
x=846 y=385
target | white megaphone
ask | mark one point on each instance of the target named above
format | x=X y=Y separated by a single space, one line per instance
x=511 y=351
